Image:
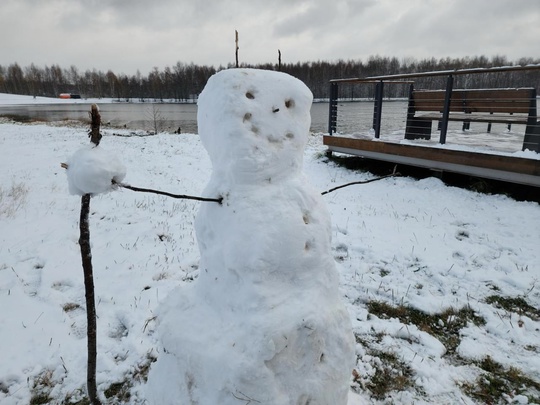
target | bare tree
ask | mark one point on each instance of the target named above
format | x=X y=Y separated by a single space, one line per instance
x=155 y=117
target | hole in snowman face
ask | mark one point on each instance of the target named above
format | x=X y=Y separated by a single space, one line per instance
x=289 y=135
x=275 y=109
x=247 y=117
x=250 y=95
x=289 y=103
x=273 y=139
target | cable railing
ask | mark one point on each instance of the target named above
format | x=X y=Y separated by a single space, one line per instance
x=509 y=112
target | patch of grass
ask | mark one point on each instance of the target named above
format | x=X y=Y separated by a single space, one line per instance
x=70 y=306
x=120 y=391
x=445 y=325
x=117 y=393
x=12 y=199
x=391 y=373
x=496 y=384
x=518 y=305
x=41 y=388
x=38 y=399
x=18 y=118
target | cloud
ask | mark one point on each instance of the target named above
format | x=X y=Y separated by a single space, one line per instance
x=126 y=35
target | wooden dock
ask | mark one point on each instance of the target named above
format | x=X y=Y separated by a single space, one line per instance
x=478 y=164
x=502 y=105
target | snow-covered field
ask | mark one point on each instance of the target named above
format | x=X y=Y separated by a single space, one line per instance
x=409 y=244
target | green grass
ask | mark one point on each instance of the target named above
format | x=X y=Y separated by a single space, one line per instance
x=117 y=393
x=445 y=326
x=497 y=383
x=518 y=305
x=391 y=374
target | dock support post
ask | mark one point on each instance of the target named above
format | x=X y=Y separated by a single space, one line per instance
x=377 y=109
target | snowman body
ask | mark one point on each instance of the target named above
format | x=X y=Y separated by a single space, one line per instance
x=264 y=321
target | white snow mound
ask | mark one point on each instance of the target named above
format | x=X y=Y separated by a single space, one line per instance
x=92 y=169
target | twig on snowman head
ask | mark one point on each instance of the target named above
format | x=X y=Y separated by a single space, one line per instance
x=393 y=174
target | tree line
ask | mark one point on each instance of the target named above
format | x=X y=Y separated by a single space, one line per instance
x=183 y=82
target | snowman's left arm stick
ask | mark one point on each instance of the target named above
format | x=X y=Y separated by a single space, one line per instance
x=394 y=174
x=185 y=197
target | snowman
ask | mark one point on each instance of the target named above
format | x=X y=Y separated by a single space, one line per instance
x=263 y=323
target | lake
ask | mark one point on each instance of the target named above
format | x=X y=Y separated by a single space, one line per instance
x=139 y=116
x=354 y=119
x=171 y=116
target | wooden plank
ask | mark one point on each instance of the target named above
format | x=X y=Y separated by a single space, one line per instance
x=494 y=118
x=514 y=101
x=506 y=168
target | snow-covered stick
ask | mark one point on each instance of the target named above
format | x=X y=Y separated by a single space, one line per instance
x=86 y=255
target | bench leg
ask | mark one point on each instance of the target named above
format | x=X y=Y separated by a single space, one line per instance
x=418 y=128
x=531 y=141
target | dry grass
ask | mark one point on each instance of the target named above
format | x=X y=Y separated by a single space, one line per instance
x=12 y=199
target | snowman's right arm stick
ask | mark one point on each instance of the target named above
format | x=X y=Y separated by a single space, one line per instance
x=394 y=174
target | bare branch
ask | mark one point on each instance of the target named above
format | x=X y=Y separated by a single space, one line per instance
x=394 y=174
x=179 y=196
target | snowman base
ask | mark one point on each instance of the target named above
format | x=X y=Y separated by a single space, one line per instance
x=290 y=356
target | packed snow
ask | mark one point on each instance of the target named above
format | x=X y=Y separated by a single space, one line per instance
x=266 y=306
x=398 y=241
x=94 y=170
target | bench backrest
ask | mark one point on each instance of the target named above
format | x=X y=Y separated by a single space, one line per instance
x=514 y=101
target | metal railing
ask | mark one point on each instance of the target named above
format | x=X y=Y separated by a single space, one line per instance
x=532 y=136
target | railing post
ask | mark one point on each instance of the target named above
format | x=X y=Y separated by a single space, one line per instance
x=531 y=140
x=446 y=110
x=332 y=108
x=377 y=109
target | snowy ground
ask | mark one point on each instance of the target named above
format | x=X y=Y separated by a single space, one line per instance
x=412 y=245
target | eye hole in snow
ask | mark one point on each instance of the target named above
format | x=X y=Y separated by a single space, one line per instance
x=275 y=109
x=250 y=95
x=247 y=117
x=289 y=103
x=289 y=135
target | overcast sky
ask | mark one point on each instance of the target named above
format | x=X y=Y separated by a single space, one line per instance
x=130 y=35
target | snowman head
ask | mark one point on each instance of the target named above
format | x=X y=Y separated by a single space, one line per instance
x=254 y=123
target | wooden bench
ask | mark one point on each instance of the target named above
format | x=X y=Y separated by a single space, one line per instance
x=507 y=106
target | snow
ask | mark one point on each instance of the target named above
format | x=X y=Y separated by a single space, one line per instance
x=399 y=240
x=19 y=99
x=266 y=309
x=94 y=170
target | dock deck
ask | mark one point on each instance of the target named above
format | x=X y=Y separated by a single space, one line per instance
x=485 y=155
x=496 y=166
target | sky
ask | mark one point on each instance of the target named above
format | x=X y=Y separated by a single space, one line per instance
x=129 y=35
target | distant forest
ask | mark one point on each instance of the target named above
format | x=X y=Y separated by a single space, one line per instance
x=183 y=82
